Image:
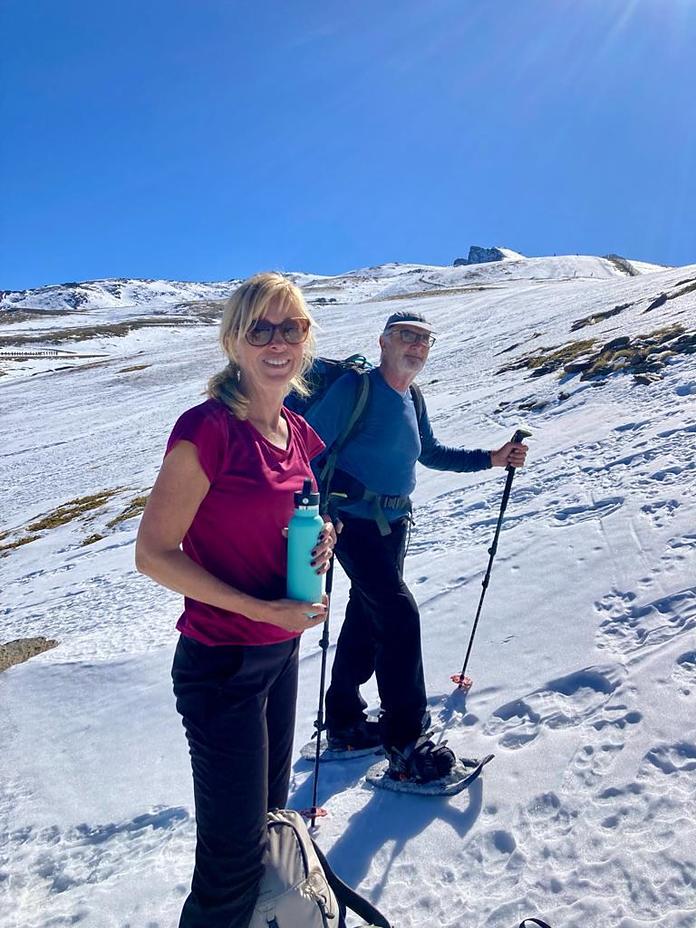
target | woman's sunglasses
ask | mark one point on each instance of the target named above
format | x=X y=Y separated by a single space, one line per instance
x=293 y=331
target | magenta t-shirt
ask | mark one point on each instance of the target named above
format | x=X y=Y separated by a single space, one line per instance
x=236 y=535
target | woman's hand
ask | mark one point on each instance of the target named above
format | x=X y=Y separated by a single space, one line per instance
x=291 y=614
x=322 y=552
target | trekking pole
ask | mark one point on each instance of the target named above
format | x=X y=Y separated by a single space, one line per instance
x=315 y=812
x=461 y=679
x=330 y=509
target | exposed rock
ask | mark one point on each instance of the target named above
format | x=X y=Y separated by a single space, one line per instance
x=533 y=405
x=622 y=264
x=647 y=353
x=480 y=255
x=21 y=649
x=576 y=367
x=598 y=317
x=660 y=301
x=619 y=342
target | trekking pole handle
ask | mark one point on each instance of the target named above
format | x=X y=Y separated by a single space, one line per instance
x=517 y=439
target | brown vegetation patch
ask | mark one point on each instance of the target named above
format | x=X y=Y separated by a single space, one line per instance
x=204 y=310
x=71 y=510
x=91 y=539
x=21 y=649
x=16 y=544
x=82 y=333
x=134 y=367
x=421 y=294
x=134 y=508
x=80 y=508
x=9 y=315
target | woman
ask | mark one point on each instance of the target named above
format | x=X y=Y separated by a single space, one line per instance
x=213 y=530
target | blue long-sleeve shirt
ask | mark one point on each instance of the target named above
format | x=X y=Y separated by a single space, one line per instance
x=383 y=451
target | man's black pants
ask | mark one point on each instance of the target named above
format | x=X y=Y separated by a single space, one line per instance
x=380 y=634
x=238 y=708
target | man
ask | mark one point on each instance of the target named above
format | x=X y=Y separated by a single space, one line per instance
x=375 y=470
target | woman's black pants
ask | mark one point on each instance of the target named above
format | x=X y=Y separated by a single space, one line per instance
x=380 y=634
x=237 y=703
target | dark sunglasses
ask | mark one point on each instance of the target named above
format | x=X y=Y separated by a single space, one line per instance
x=293 y=331
x=409 y=337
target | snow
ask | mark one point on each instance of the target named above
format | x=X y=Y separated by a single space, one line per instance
x=584 y=665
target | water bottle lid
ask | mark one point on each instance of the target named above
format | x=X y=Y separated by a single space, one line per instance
x=306 y=496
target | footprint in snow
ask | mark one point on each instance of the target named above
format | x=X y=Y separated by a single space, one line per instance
x=50 y=861
x=563 y=703
x=668 y=475
x=659 y=512
x=684 y=672
x=604 y=739
x=629 y=627
x=571 y=515
x=657 y=802
x=683 y=541
x=546 y=818
x=632 y=426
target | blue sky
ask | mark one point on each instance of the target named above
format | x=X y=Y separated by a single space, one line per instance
x=210 y=139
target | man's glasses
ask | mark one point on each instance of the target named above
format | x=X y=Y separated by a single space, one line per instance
x=293 y=331
x=409 y=337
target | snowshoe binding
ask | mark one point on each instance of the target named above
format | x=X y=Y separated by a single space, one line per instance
x=426 y=768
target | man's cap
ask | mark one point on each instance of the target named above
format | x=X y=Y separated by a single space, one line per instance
x=404 y=317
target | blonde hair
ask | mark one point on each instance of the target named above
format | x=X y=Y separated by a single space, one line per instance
x=247 y=304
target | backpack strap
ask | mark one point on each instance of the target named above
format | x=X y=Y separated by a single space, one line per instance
x=378 y=503
x=327 y=471
x=418 y=402
x=349 y=898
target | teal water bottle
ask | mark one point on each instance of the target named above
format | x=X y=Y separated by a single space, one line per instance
x=304 y=583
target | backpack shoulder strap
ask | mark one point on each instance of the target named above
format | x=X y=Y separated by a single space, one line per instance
x=329 y=466
x=418 y=402
x=362 y=395
x=349 y=898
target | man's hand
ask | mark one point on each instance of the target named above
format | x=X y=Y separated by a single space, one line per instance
x=511 y=453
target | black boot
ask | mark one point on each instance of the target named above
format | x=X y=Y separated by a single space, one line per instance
x=364 y=734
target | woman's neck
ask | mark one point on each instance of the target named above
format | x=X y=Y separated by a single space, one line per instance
x=263 y=410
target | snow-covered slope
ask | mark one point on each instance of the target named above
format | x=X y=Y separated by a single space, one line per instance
x=119 y=293
x=113 y=293
x=585 y=660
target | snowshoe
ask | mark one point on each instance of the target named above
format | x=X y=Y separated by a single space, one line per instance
x=358 y=740
x=462 y=773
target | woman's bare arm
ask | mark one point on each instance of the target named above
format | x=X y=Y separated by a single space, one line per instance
x=179 y=490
